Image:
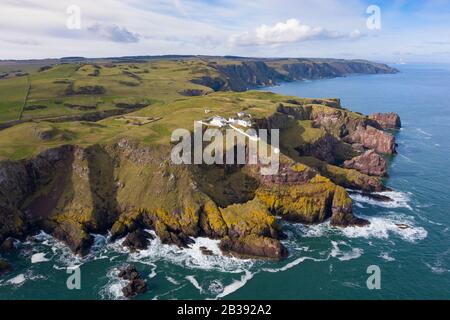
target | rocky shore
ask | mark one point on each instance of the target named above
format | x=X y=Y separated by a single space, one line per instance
x=127 y=187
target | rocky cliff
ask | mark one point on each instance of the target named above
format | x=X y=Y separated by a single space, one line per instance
x=125 y=187
x=243 y=74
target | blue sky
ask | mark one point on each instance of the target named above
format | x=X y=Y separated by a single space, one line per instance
x=411 y=31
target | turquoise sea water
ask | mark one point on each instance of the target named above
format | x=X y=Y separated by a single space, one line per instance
x=325 y=263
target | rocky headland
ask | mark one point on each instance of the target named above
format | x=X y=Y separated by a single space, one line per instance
x=127 y=185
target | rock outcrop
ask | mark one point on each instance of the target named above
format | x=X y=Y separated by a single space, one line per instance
x=253 y=246
x=240 y=74
x=136 y=285
x=126 y=186
x=370 y=163
x=372 y=138
x=387 y=121
x=137 y=240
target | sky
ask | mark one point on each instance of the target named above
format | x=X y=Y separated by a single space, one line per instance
x=380 y=30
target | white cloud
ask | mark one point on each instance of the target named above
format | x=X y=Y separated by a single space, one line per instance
x=114 y=33
x=291 y=31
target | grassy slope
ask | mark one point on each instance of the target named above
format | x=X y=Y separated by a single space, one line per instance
x=24 y=140
x=158 y=81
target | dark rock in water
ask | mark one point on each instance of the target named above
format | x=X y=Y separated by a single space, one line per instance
x=7 y=245
x=369 y=163
x=137 y=240
x=373 y=196
x=253 y=246
x=171 y=237
x=129 y=273
x=136 y=285
x=206 y=251
x=389 y=120
x=4 y=267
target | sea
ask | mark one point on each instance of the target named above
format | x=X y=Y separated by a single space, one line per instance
x=380 y=261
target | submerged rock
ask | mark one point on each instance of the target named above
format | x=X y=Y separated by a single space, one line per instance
x=4 y=267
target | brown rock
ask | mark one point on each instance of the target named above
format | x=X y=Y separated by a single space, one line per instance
x=134 y=287
x=137 y=240
x=372 y=138
x=7 y=245
x=129 y=273
x=370 y=163
x=205 y=251
x=342 y=211
x=72 y=234
x=254 y=246
x=389 y=120
x=4 y=267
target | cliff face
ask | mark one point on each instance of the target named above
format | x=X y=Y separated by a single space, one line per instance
x=71 y=192
x=245 y=74
x=126 y=185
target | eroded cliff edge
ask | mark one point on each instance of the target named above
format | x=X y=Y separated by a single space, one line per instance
x=127 y=185
x=241 y=74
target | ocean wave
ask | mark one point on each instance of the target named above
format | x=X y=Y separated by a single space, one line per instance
x=195 y=283
x=398 y=199
x=424 y=132
x=191 y=257
x=38 y=257
x=236 y=285
x=294 y=263
x=172 y=280
x=381 y=228
x=17 y=280
x=349 y=253
x=113 y=289
x=386 y=256
x=20 y=279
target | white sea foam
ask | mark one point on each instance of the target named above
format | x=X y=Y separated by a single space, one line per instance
x=398 y=199
x=172 y=280
x=346 y=254
x=113 y=289
x=17 y=280
x=216 y=287
x=64 y=257
x=424 y=132
x=195 y=283
x=191 y=257
x=38 y=257
x=236 y=285
x=294 y=263
x=382 y=227
x=385 y=256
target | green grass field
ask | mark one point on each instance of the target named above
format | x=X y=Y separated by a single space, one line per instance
x=71 y=89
